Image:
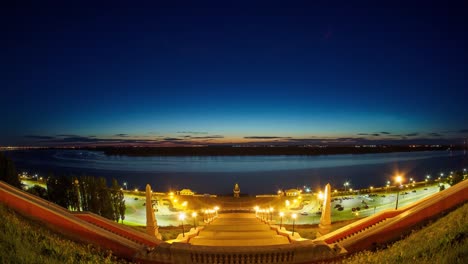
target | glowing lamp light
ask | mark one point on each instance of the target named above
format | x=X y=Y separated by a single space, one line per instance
x=182 y=216
x=320 y=195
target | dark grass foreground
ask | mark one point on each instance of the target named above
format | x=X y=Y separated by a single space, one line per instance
x=25 y=241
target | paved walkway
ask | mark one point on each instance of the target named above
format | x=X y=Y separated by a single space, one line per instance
x=238 y=229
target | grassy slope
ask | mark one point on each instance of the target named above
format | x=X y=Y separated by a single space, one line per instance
x=24 y=241
x=444 y=241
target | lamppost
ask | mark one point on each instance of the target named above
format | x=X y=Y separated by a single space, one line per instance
x=256 y=210
x=281 y=214
x=216 y=210
x=398 y=180
x=294 y=221
x=181 y=218
x=194 y=216
x=77 y=183
x=125 y=184
x=271 y=213
x=346 y=184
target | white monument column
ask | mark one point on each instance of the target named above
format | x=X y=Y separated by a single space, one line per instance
x=325 y=219
x=151 y=223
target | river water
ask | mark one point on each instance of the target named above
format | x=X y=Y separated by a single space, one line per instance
x=255 y=174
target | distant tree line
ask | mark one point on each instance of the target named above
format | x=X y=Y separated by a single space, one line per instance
x=85 y=193
x=255 y=151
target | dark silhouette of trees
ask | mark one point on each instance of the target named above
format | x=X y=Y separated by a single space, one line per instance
x=38 y=191
x=8 y=171
x=58 y=190
x=118 y=201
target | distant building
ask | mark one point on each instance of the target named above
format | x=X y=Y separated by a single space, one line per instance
x=186 y=192
x=292 y=192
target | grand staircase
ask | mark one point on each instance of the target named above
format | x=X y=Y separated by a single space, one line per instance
x=238 y=229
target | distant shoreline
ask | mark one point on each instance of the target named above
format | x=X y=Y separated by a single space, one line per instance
x=259 y=151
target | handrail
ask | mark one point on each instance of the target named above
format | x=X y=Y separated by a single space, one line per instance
x=71 y=226
x=125 y=231
x=365 y=223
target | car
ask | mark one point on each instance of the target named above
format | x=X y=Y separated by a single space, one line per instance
x=337 y=205
x=414 y=191
x=353 y=209
x=340 y=209
x=358 y=208
x=366 y=207
x=304 y=213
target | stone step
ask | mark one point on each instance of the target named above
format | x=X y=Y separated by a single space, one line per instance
x=236 y=235
x=276 y=240
x=237 y=228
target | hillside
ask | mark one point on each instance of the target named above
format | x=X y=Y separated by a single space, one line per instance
x=443 y=241
x=24 y=241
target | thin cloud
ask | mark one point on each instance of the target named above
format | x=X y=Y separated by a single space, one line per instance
x=208 y=137
x=412 y=134
x=172 y=139
x=385 y=133
x=434 y=134
x=266 y=137
x=39 y=137
x=191 y=132
x=363 y=134
x=121 y=135
x=463 y=131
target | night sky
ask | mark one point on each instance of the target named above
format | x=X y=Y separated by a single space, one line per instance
x=189 y=73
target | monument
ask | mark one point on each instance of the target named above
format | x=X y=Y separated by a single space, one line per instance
x=325 y=219
x=151 y=224
x=236 y=191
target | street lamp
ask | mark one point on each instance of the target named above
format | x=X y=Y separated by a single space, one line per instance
x=181 y=218
x=256 y=210
x=398 y=180
x=216 y=210
x=294 y=221
x=194 y=216
x=346 y=184
x=281 y=214
x=125 y=184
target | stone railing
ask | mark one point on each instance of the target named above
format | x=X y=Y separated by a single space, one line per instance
x=60 y=220
x=391 y=224
x=182 y=253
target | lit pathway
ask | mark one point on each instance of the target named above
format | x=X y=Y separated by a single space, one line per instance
x=238 y=229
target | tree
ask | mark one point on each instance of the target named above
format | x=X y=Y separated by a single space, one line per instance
x=118 y=201
x=58 y=190
x=8 y=171
x=38 y=191
x=105 y=201
x=456 y=178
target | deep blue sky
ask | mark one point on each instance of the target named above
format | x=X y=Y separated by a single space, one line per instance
x=217 y=72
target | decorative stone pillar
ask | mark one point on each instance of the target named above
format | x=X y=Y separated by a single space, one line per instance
x=325 y=219
x=151 y=223
x=236 y=191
